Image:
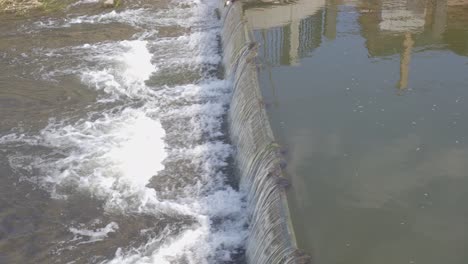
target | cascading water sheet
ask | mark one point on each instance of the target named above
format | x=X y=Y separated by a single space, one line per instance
x=140 y=171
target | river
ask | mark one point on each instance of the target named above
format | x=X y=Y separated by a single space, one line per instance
x=113 y=144
x=369 y=102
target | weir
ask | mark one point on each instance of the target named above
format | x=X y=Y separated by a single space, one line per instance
x=258 y=157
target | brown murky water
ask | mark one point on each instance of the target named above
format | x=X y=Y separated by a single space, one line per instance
x=370 y=101
x=112 y=146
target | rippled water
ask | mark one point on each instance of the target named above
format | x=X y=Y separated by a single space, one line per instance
x=112 y=139
x=369 y=102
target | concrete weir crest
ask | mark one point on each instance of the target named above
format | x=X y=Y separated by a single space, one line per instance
x=271 y=239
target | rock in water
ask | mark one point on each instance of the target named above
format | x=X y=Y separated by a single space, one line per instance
x=108 y=3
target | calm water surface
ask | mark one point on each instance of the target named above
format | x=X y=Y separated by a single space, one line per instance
x=370 y=101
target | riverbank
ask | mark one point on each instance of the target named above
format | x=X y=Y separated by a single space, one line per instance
x=14 y=6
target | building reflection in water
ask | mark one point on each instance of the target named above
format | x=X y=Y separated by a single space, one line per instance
x=289 y=32
x=360 y=159
x=400 y=26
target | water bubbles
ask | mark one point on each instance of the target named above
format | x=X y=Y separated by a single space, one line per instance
x=86 y=236
x=143 y=132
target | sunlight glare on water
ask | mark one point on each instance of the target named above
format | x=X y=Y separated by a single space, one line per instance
x=131 y=163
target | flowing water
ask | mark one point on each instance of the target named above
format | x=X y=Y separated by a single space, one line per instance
x=258 y=158
x=113 y=143
x=368 y=99
x=116 y=129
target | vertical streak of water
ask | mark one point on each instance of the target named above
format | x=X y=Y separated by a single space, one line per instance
x=271 y=239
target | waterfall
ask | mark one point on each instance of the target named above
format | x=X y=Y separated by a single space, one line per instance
x=271 y=239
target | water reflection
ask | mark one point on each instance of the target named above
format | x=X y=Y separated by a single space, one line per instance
x=391 y=27
x=289 y=32
x=374 y=120
x=405 y=60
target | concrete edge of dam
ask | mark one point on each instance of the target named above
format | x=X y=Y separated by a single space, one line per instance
x=258 y=158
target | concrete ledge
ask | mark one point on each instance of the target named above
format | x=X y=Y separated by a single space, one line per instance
x=271 y=238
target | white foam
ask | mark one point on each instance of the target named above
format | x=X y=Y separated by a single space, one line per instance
x=142 y=139
x=140 y=17
x=94 y=235
x=84 y=2
x=114 y=156
x=137 y=61
x=125 y=73
x=102 y=80
x=200 y=244
x=127 y=16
